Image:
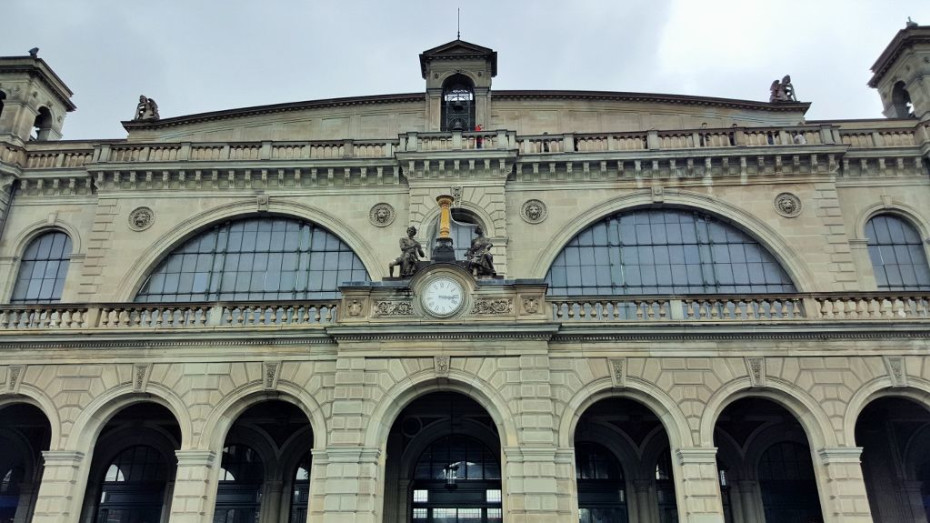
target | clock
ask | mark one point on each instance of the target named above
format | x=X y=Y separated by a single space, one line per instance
x=442 y=297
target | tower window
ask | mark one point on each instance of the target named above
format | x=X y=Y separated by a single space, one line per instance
x=901 y=100
x=458 y=104
x=43 y=124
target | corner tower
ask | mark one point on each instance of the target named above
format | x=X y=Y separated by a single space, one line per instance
x=33 y=100
x=902 y=74
x=458 y=85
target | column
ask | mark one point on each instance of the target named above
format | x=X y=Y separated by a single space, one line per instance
x=538 y=485
x=697 y=487
x=914 y=507
x=194 y=487
x=750 y=501
x=62 y=489
x=344 y=486
x=271 y=501
x=641 y=506
x=842 y=489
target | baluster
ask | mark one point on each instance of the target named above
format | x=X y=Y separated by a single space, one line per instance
x=886 y=309
x=4 y=319
x=899 y=308
x=112 y=318
x=714 y=310
x=663 y=310
x=66 y=319
x=317 y=316
x=54 y=319
x=851 y=309
x=690 y=310
x=77 y=319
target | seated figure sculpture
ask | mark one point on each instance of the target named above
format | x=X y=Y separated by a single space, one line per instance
x=479 y=257
x=410 y=253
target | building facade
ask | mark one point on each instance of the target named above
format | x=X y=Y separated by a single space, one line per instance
x=695 y=309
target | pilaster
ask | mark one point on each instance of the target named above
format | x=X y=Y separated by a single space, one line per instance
x=537 y=485
x=697 y=485
x=194 y=487
x=841 y=485
x=345 y=486
x=62 y=488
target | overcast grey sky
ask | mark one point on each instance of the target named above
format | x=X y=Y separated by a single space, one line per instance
x=195 y=55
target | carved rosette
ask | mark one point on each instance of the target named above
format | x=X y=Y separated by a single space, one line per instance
x=533 y=211
x=381 y=215
x=787 y=205
x=492 y=306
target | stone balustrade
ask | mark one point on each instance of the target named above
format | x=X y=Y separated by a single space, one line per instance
x=63 y=317
x=875 y=306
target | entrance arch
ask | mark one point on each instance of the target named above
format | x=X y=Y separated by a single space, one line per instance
x=443 y=462
x=24 y=433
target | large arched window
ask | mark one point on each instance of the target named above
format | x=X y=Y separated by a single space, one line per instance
x=665 y=251
x=270 y=258
x=300 y=497
x=601 y=488
x=458 y=104
x=457 y=479
x=897 y=253
x=239 y=494
x=786 y=479
x=43 y=269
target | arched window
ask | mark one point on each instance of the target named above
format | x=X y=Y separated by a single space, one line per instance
x=43 y=124
x=786 y=479
x=300 y=496
x=461 y=229
x=601 y=488
x=898 y=255
x=43 y=269
x=255 y=259
x=133 y=486
x=458 y=104
x=665 y=251
x=239 y=494
x=901 y=101
x=457 y=478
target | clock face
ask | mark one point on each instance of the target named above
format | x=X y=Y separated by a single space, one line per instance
x=443 y=297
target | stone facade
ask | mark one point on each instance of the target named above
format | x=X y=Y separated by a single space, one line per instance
x=541 y=372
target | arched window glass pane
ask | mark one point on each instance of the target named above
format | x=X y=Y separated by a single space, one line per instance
x=43 y=269
x=138 y=464
x=601 y=489
x=462 y=230
x=787 y=483
x=664 y=251
x=255 y=259
x=301 y=495
x=897 y=253
x=239 y=494
x=457 y=457
x=133 y=487
x=665 y=489
x=241 y=464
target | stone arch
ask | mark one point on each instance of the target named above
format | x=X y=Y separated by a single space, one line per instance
x=427 y=437
x=234 y=403
x=38 y=228
x=133 y=280
x=787 y=256
x=799 y=403
x=626 y=452
x=265 y=449
x=917 y=390
x=98 y=412
x=764 y=438
x=655 y=399
x=492 y=228
x=394 y=400
x=910 y=214
x=37 y=398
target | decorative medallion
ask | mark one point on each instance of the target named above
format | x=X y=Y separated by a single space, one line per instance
x=533 y=211
x=787 y=205
x=141 y=218
x=355 y=308
x=531 y=304
x=381 y=215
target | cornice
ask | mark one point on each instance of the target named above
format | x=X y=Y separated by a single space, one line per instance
x=789 y=331
x=652 y=98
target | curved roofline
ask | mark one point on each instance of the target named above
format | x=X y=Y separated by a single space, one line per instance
x=225 y=114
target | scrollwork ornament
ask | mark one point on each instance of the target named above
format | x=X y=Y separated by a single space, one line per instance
x=493 y=306
x=533 y=211
x=141 y=218
x=787 y=205
x=381 y=215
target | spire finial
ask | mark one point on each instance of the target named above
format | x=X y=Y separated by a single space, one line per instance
x=458 y=23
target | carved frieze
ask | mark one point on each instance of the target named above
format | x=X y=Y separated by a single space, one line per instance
x=394 y=308
x=492 y=306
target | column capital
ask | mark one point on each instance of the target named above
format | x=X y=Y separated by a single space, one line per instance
x=840 y=455
x=521 y=454
x=347 y=455
x=62 y=457
x=696 y=455
x=195 y=458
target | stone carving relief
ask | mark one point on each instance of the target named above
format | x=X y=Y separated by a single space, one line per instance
x=270 y=372
x=441 y=364
x=261 y=202
x=140 y=374
x=394 y=308
x=787 y=205
x=617 y=369
x=381 y=215
x=492 y=306
x=12 y=381
x=533 y=211
x=354 y=308
x=531 y=304
x=895 y=367
x=141 y=218
x=756 y=368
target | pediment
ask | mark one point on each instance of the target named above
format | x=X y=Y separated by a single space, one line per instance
x=458 y=50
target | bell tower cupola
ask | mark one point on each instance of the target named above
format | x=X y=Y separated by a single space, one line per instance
x=902 y=74
x=33 y=100
x=458 y=85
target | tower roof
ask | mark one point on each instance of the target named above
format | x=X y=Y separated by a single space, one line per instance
x=37 y=68
x=458 y=50
x=905 y=39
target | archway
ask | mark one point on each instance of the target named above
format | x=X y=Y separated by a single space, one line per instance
x=133 y=467
x=443 y=463
x=634 y=438
x=24 y=433
x=894 y=434
x=265 y=468
x=768 y=464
